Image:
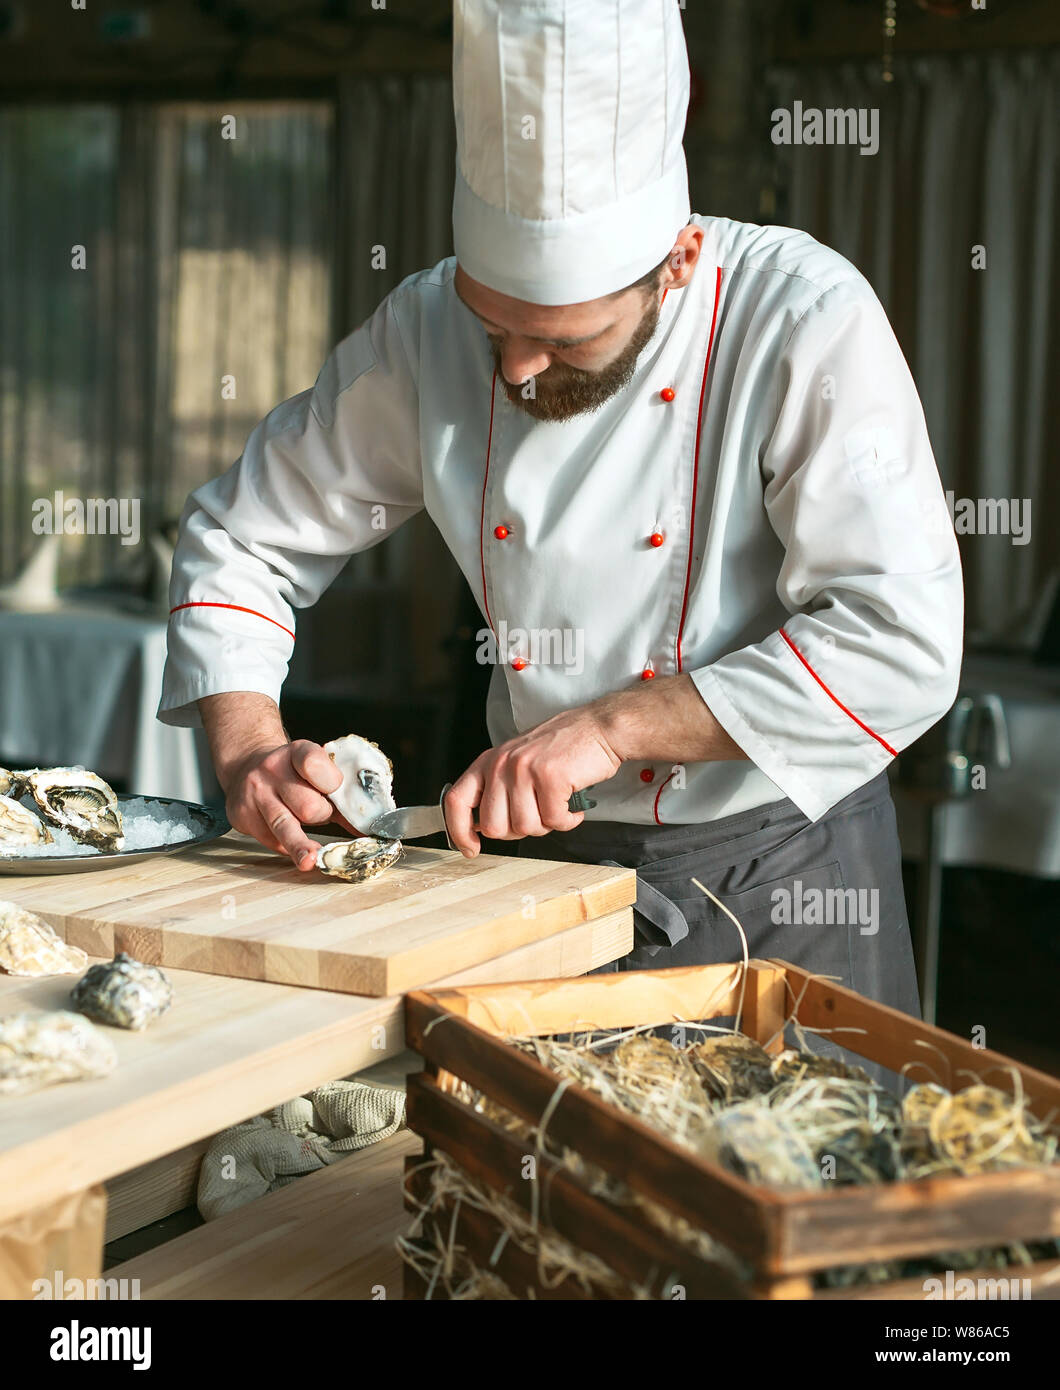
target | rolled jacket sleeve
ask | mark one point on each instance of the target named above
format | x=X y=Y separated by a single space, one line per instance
x=328 y=473
x=870 y=657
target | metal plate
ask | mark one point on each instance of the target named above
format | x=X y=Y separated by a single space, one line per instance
x=213 y=823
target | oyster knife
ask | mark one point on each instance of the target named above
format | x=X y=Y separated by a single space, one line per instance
x=413 y=822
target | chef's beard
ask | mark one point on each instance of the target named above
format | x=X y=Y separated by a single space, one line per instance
x=562 y=391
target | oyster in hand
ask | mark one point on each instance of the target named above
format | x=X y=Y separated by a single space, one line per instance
x=79 y=801
x=28 y=946
x=39 y=1050
x=124 y=992
x=367 y=786
x=19 y=826
x=355 y=860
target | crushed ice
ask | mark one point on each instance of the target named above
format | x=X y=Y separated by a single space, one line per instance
x=148 y=823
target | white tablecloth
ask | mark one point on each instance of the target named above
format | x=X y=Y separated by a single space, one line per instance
x=1014 y=821
x=80 y=685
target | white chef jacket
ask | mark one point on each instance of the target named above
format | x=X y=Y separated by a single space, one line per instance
x=777 y=529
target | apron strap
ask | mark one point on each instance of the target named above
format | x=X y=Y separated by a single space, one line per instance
x=657 y=922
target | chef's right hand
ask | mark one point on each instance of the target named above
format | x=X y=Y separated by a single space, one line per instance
x=275 y=791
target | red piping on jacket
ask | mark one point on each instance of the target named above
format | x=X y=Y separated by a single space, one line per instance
x=482 y=514
x=861 y=725
x=695 y=470
x=655 y=803
x=236 y=607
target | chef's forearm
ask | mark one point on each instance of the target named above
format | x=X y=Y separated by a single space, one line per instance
x=238 y=724
x=664 y=719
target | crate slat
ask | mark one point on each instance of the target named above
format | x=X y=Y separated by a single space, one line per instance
x=731 y=1210
x=892 y=1038
x=628 y=1243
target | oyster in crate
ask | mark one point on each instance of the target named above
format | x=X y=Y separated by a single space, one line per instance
x=28 y=946
x=367 y=786
x=39 y=1050
x=733 y=1067
x=79 y=801
x=797 y=1066
x=356 y=860
x=18 y=825
x=124 y=992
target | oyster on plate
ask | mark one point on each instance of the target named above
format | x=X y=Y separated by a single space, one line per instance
x=11 y=783
x=18 y=824
x=367 y=787
x=79 y=801
x=124 y=992
x=29 y=946
x=356 y=860
x=39 y=1050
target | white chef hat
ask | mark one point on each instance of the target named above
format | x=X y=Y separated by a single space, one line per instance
x=571 y=180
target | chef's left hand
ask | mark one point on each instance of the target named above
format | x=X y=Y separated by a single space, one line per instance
x=522 y=787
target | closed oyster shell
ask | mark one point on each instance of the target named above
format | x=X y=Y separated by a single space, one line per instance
x=733 y=1067
x=28 y=946
x=124 y=992
x=38 y=1050
x=355 y=860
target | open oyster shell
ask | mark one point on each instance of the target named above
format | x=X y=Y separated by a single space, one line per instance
x=355 y=860
x=81 y=802
x=28 y=946
x=124 y=992
x=39 y=1050
x=367 y=787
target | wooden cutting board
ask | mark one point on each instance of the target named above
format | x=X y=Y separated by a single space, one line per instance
x=232 y=908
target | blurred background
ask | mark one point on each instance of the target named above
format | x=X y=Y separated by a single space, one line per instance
x=162 y=287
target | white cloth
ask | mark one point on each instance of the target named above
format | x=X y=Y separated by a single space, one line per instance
x=571 y=178
x=812 y=504
x=79 y=686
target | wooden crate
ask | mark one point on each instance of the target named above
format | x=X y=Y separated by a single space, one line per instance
x=784 y=1237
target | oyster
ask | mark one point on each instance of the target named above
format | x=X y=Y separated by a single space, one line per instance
x=797 y=1066
x=733 y=1067
x=124 y=992
x=18 y=824
x=11 y=783
x=28 y=946
x=40 y=1049
x=366 y=790
x=81 y=802
x=355 y=860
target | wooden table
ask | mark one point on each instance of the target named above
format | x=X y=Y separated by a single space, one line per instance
x=228 y=1049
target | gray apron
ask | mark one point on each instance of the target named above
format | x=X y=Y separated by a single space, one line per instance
x=825 y=895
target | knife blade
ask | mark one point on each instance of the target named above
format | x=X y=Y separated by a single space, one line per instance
x=413 y=822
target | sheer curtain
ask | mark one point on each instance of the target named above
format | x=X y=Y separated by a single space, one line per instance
x=967 y=158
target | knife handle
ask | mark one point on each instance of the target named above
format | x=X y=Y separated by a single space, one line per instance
x=577 y=802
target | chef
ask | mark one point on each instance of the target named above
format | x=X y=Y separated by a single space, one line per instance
x=683 y=466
